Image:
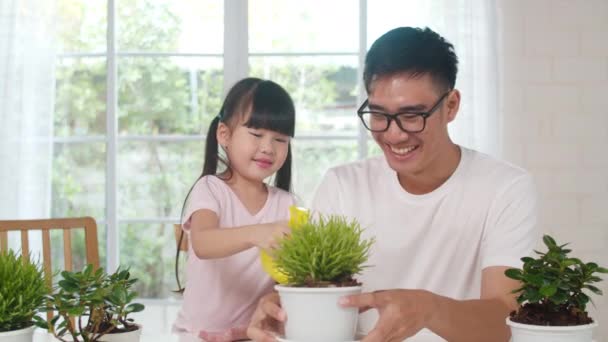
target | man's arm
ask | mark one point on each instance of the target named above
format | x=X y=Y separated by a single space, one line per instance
x=482 y=319
x=402 y=313
x=511 y=234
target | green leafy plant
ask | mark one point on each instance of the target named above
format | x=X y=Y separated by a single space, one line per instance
x=90 y=304
x=323 y=252
x=552 y=287
x=22 y=291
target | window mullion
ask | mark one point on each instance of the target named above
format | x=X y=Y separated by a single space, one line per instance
x=112 y=233
x=236 y=45
x=362 y=134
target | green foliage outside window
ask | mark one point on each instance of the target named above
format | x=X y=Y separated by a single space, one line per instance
x=168 y=96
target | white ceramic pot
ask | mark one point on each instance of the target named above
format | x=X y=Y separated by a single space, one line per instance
x=540 y=333
x=129 y=336
x=22 y=335
x=313 y=314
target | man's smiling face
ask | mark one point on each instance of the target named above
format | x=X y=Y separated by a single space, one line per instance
x=411 y=154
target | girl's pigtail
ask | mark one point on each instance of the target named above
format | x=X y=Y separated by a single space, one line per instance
x=283 y=176
x=209 y=168
x=211 y=148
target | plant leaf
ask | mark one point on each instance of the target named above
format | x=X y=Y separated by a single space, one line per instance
x=549 y=241
x=514 y=273
x=548 y=290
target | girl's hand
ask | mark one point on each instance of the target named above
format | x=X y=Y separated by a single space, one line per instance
x=268 y=319
x=267 y=235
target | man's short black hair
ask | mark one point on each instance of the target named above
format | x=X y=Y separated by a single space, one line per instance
x=413 y=51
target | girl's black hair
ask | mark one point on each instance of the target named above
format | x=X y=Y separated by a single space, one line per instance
x=271 y=108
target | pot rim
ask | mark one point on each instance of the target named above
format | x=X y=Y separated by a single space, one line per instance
x=139 y=328
x=551 y=327
x=17 y=332
x=283 y=288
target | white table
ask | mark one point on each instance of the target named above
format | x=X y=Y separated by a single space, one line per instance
x=42 y=336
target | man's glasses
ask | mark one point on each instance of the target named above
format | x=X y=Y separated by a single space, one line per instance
x=408 y=121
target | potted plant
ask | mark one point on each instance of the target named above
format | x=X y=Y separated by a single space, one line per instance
x=320 y=259
x=91 y=305
x=22 y=290
x=552 y=296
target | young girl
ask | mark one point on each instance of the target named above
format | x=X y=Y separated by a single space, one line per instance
x=230 y=211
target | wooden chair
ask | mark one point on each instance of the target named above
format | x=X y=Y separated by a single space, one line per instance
x=45 y=226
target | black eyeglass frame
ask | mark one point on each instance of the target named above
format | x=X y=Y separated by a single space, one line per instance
x=393 y=117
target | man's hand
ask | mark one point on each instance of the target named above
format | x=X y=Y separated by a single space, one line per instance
x=402 y=313
x=267 y=320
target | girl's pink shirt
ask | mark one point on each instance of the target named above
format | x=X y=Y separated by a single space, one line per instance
x=222 y=294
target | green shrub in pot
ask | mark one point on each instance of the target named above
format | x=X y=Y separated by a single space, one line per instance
x=90 y=304
x=328 y=251
x=22 y=291
x=552 y=296
x=320 y=260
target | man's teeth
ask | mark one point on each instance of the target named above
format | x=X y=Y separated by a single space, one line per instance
x=404 y=150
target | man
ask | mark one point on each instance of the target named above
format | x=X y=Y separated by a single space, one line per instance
x=448 y=221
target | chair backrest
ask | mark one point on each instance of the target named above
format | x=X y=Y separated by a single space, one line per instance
x=183 y=246
x=45 y=226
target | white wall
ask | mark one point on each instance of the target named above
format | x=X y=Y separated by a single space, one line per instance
x=555 y=113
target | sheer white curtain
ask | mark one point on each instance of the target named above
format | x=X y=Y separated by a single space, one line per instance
x=470 y=26
x=26 y=107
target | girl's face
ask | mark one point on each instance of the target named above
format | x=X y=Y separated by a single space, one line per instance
x=254 y=153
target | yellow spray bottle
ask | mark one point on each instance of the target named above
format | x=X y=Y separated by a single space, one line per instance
x=297 y=217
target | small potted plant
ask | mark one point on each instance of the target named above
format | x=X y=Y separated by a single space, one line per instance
x=93 y=306
x=552 y=295
x=22 y=291
x=320 y=259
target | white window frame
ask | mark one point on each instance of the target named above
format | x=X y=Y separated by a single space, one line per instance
x=236 y=66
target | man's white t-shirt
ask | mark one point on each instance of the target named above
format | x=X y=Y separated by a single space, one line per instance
x=484 y=215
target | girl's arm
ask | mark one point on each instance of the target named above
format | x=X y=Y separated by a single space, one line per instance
x=210 y=242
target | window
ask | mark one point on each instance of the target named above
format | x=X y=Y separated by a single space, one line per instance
x=168 y=86
x=138 y=81
x=131 y=112
x=317 y=62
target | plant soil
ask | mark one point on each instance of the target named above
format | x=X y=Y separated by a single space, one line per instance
x=339 y=283
x=537 y=314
